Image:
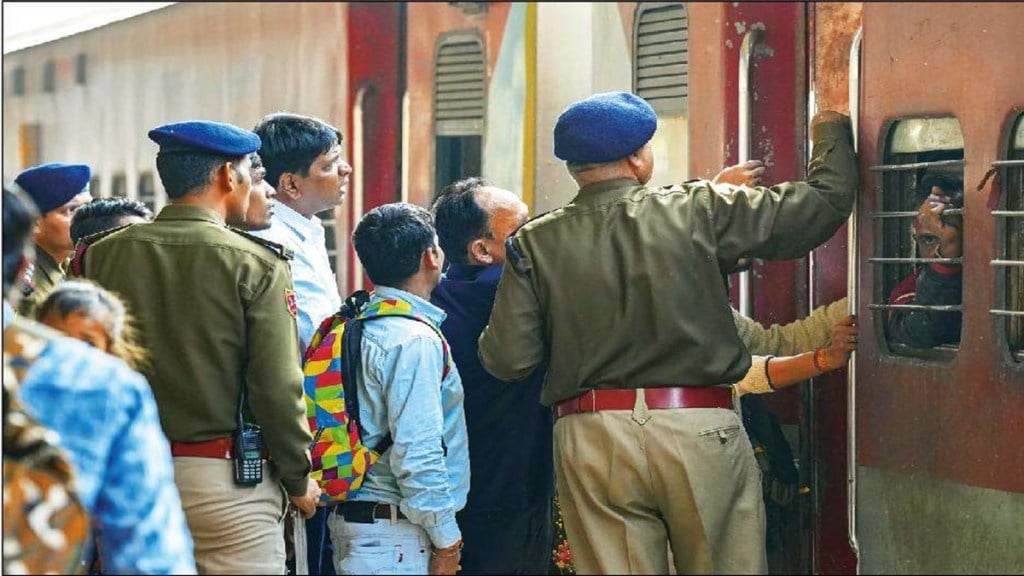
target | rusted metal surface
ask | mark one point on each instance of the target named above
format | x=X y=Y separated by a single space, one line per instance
x=955 y=421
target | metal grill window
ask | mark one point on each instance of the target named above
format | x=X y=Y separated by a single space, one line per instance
x=1010 y=264
x=661 y=60
x=147 y=190
x=49 y=76
x=459 y=87
x=913 y=149
x=330 y=239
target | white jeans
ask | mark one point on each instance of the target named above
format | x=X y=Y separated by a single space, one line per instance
x=384 y=547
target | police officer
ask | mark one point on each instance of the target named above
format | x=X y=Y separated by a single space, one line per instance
x=648 y=449
x=217 y=312
x=58 y=191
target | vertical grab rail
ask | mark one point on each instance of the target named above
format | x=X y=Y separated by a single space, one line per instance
x=852 y=279
x=358 y=153
x=743 y=136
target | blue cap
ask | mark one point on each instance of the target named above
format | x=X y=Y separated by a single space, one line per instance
x=54 y=185
x=603 y=128
x=204 y=136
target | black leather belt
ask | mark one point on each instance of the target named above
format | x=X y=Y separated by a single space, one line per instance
x=366 y=512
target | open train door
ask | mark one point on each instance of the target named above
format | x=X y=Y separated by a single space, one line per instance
x=936 y=480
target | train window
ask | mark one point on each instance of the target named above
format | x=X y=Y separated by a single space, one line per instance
x=459 y=99
x=661 y=57
x=18 y=81
x=80 y=68
x=119 y=186
x=918 y=286
x=1011 y=261
x=146 y=192
x=330 y=239
x=49 y=76
x=94 y=187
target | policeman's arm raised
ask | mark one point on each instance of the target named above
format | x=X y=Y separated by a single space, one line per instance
x=274 y=379
x=788 y=220
x=512 y=344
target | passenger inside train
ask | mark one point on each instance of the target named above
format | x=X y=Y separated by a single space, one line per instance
x=938 y=237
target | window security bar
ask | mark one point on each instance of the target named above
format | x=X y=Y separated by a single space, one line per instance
x=1008 y=213
x=1008 y=164
x=1015 y=313
x=932 y=307
x=918 y=260
x=915 y=165
x=910 y=214
x=1008 y=263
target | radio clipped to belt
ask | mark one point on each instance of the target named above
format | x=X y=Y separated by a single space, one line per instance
x=248 y=449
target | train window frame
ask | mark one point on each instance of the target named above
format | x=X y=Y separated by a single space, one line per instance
x=145 y=190
x=673 y=104
x=50 y=76
x=458 y=139
x=18 y=81
x=81 y=72
x=119 y=185
x=908 y=146
x=1008 y=264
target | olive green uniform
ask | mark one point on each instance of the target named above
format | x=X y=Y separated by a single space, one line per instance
x=216 y=311
x=46 y=274
x=621 y=289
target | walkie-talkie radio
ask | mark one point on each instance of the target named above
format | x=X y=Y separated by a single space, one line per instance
x=248 y=449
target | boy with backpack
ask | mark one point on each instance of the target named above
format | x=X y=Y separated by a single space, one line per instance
x=407 y=410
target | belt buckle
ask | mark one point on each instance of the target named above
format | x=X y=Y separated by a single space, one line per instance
x=592 y=396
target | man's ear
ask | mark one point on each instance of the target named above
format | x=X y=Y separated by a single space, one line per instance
x=288 y=187
x=478 y=252
x=431 y=259
x=225 y=178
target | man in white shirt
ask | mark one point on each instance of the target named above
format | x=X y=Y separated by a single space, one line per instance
x=305 y=163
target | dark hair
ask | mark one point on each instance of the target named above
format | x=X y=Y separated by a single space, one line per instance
x=390 y=241
x=20 y=216
x=459 y=219
x=256 y=161
x=183 y=172
x=104 y=214
x=292 y=142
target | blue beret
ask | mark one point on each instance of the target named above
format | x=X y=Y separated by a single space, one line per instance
x=204 y=136
x=54 y=185
x=603 y=128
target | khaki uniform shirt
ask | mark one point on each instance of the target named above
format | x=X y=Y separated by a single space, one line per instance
x=46 y=274
x=622 y=288
x=216 y=311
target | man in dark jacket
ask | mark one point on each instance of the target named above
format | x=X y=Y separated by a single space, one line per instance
x=506 y=524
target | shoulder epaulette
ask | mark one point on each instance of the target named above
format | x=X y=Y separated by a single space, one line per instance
x=77 y=267
x=282 y=252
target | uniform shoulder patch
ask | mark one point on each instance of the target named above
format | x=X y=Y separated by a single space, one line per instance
x=282 y=252
x=77 y=267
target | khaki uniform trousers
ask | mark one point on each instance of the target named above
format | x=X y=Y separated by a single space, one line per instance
x=632 y=482
x=236 y=529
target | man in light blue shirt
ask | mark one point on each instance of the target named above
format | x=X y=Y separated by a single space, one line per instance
x=402 y=519
x=305 y=163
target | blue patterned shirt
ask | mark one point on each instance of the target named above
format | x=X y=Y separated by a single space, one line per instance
x=316 y=287
x=401 y=391
x=107 y=420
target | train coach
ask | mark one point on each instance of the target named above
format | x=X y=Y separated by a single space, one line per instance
x=909 y=461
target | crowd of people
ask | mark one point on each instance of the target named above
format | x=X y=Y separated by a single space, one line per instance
x=590 y=352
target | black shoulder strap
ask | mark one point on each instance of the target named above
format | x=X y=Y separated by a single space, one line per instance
x=77 y=267
x=279 y=250
x=351 y=367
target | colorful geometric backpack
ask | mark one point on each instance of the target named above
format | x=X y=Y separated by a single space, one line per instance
x=331 y=366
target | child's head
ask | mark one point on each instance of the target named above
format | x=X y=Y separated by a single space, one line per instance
x=86 y=311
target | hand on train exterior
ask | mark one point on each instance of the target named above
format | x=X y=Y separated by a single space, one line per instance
x=842 y=342
x=307 y=504
x=935 y=238
x=828 y=116
x=748 y=173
